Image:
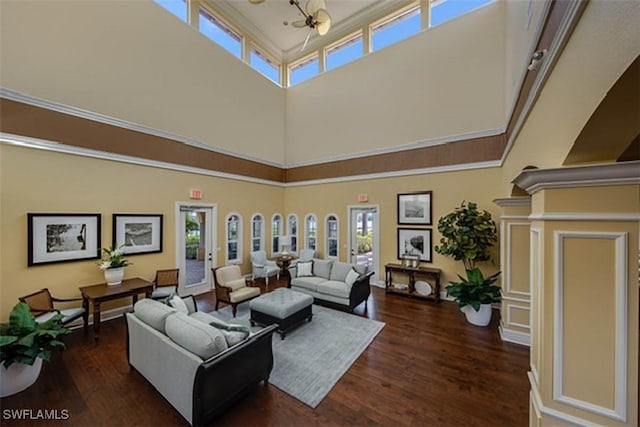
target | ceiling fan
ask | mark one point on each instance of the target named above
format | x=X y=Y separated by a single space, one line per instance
x=315 y=16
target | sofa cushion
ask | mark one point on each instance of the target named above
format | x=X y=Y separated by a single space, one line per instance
x=310 y=283
x=195 y=336
x=203 y=317
x=304 y=269
x=153 y=313
x=322 y=268
x=233 y=334
x=351 y=278
x=335 y=288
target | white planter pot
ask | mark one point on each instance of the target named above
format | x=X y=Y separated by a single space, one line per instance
x=114 y=276
x=18 y=377
x=478 y=318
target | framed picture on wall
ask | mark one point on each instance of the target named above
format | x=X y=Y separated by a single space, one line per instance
x=415 y=241
x=62 y=237
x=137 y=233
x=414 y=208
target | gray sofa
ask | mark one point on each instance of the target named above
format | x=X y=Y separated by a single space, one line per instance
x=327 y=283
x=190 y=362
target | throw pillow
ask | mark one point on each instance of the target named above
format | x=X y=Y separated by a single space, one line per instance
x=351 y=278
x=305 y=269
x=233 y=334
x=177 y=303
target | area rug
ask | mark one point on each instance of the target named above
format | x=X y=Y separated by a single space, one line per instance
x=313 y=357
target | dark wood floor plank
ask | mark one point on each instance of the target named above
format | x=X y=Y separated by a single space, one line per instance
x=427 y=367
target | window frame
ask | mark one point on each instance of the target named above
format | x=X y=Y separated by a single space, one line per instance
x=392 y=18
x=307 y=236
x=301 y=62
x=260 y=238
x=275 y=238
x=225 y=25
x=327 y=218
x=343 y=43
x=295 y=243
x=238 y=241
x=267 y=57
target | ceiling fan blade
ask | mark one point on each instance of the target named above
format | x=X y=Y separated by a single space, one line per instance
x=299 y=24
x=314 y=5
x=306 y=40
x=323 y=22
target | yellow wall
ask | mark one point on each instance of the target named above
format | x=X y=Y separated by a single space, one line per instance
x=35 y=181
x=449 y=190
x=135 y=61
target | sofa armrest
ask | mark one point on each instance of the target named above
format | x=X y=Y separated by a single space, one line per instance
x=360 y=290
x=223 y=378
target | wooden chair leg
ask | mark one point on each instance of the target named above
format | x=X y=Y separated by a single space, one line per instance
x=217 y=302
x=233 y=309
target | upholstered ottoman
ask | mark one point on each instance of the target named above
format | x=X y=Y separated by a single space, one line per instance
x=284 y=307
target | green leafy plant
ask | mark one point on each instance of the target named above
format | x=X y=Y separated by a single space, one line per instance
x=23 y=340
x=467 y=235
x=475 y=289
x=115 y=258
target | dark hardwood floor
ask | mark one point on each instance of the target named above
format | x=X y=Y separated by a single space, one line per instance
x=427 y=367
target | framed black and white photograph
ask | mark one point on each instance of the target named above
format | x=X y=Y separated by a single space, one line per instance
x=137 y=233
x=55 y=237
x=415 y=241
x=414 y=208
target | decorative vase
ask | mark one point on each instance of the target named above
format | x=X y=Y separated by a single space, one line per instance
x=18 y=377
x=114 y=276
x=478 y=318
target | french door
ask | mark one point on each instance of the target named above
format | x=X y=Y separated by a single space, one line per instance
x=195 y=247
x=364 y=231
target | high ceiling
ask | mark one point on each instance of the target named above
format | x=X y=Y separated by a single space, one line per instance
x=265 y=21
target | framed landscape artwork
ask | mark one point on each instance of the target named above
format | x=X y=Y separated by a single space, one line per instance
x=415 y=241
x=56 y=237
x=139 y=233
x=414 y=208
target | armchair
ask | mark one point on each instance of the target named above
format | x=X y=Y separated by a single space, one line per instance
x=165 y=283
x=231 y=287
x=262 y=267
x=41 y=305
x=305 y=255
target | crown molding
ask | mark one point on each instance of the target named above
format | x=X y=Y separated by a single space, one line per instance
x=399 y=148
x=41 y=144
x=393 y=174
x=621 y=173
x=513 y=201
x=13 y=95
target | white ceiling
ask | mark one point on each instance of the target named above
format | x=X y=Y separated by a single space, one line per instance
x=264 y=21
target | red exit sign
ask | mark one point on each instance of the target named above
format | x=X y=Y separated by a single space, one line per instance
x=195 y=193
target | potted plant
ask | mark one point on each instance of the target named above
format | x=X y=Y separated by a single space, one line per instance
x=114 y=264
x=24 y=344
x=468 y=235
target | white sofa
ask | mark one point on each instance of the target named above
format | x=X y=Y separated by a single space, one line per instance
x=328 y=283
x=190 y=363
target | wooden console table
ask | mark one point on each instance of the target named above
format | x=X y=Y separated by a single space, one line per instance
x=97 y=294
x=426 y=272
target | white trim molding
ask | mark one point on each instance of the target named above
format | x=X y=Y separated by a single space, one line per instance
x=515 y=337
x=537 y=293
x=537 y=402
x=513 y=201
x=534 y=180
x=517 y=307
x=124 y=124
x=509 y=256
x=606 y=216
x=619 y=411
x=41 y=144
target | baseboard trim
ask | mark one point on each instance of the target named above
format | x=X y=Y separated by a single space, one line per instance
x=515 y=337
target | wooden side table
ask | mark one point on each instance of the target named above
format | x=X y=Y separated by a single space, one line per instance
x=431 y=273
x=97 y=294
